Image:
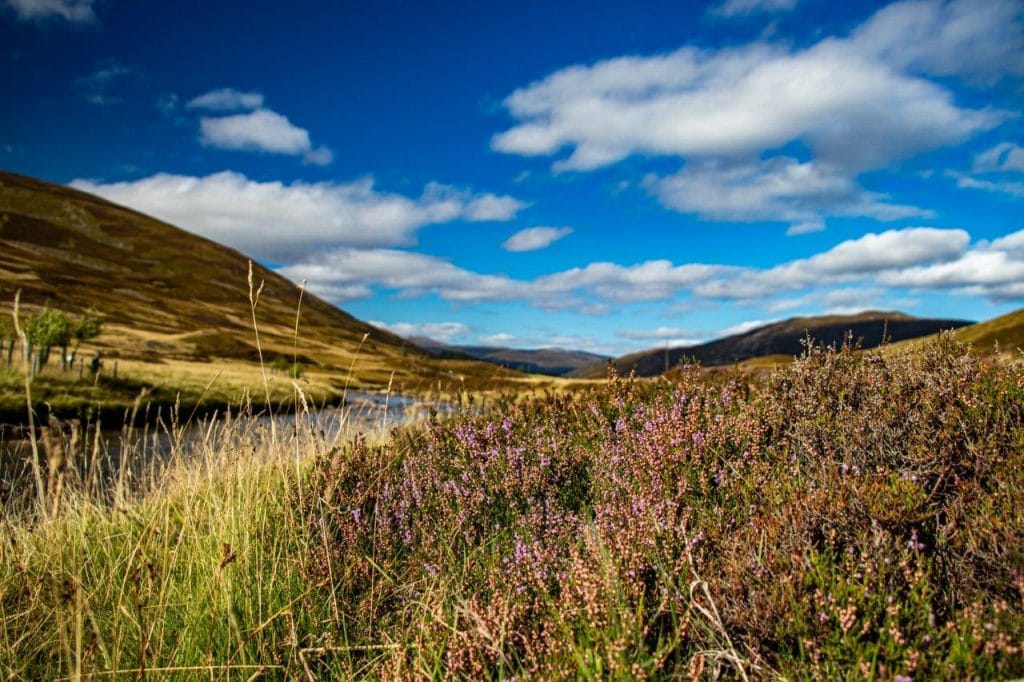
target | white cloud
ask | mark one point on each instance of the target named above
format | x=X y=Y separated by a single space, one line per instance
x=665 y=336
x=648 y=281
x=994 y=269
x=226 y=99
x=965 y=181
x=499 y=339
x=438 y=331
x=262 y=130
x=534 y=238
x=980 y=40
x=74 y=11
x=780 y=189
x=1004 y=157
x=853 y=104
x=853 y=259
x=862 y=268
x=732 y=8
x=852 y=110
x=744 y=327
x=413 y=274
x=490 y=207
x=280 y=222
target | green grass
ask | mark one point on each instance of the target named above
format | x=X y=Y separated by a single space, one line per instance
x=205 y=571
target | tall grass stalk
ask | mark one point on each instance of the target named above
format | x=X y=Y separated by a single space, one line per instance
x=254 y=299
x=37 y=472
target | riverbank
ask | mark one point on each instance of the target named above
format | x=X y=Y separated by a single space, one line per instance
x=146 y=389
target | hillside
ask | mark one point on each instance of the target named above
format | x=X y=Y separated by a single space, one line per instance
x=780 y=338
x=170 y=295
x=551 y=361
x=1005 y=331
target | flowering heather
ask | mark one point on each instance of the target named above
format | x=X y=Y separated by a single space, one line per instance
x=855 y=515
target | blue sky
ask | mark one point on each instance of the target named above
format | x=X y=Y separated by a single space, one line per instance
x=609 y=178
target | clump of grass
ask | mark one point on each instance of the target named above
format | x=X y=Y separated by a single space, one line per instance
x=197 y=569
x=854 y=515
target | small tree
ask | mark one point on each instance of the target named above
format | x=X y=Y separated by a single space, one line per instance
x=89 y=326
x=46 y=330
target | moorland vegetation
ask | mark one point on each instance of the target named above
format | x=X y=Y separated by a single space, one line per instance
x=851 y=515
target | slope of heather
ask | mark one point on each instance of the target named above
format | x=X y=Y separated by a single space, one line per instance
x=780 y=338
x=552 y=361
x=170 y=295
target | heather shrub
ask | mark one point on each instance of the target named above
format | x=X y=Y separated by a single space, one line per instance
x=858 y=514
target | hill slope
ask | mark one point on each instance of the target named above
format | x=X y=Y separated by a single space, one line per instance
x=780 y=338
x=552 y=361
x=1005 y=331
x=169 y=294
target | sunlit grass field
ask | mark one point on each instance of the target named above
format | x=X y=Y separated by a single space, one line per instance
x=851 y=515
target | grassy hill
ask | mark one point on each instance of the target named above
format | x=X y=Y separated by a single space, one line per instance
x=1005 y=332
x=778 y=339
x=551 y=361
x=177 y=300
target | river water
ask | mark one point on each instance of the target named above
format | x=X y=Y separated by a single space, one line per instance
x=141 y=453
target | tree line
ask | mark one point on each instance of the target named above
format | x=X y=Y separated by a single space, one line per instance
x=46 y=331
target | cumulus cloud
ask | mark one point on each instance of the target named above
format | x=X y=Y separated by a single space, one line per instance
x=534 y=238
x=732 y=8
x=841 y=278
x=994 y=270
x=854 y=103
x=283 y=223
x=852 y=110
x=262 y=130
x=226 y=99
x=438 y=331
x=74 y=11
x=780 y=188
x=852 y=259
x=979 y=40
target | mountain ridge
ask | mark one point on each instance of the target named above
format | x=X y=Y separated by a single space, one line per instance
x=777 y=338
x=551 y=360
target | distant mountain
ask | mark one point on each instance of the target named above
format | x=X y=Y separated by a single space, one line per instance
x=781 y=338
x=168 y=294
x=551 y=361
